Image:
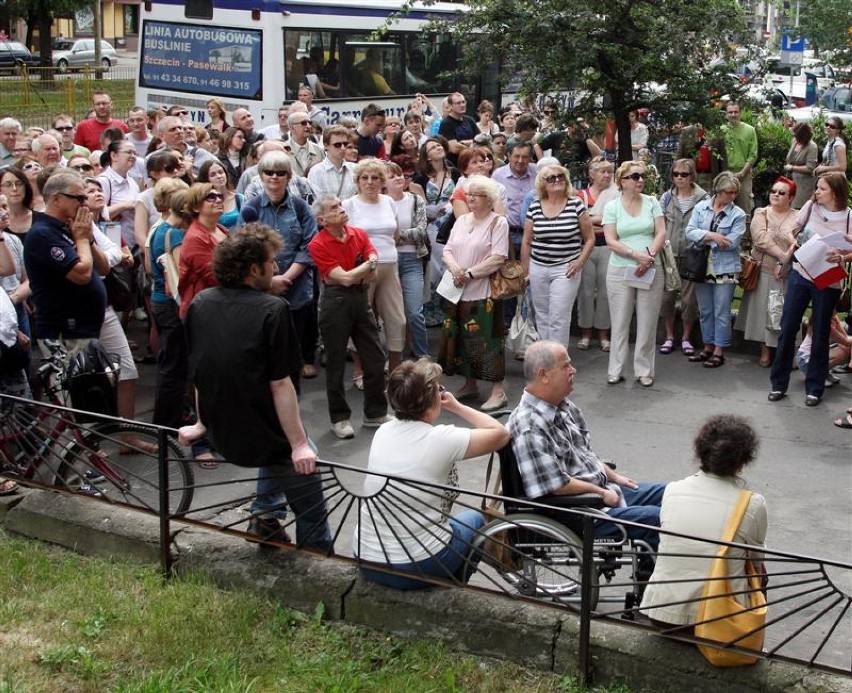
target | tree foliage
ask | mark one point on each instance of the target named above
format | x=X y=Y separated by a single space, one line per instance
x=39 y=14
x=613 y=55
x=828 y=25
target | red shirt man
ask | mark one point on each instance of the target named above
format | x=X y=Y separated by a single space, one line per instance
x=89 y=131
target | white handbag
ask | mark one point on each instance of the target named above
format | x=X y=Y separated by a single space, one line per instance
x=522 y=331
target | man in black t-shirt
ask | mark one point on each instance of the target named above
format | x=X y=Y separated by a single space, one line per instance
x=458 y=129
x=370 y=142
x=65 y=265
x=242 y=349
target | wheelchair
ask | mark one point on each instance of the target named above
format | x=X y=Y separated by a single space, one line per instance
x=538 y=550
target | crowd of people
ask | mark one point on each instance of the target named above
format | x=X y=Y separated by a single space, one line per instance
x=356 y=224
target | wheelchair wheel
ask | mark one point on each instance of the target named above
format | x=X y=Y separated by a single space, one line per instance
x=537 y=556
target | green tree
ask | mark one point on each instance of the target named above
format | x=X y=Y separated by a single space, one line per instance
x=39 y=14
x=616 y=55
x=828 y=25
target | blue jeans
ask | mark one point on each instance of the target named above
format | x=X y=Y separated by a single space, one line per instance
x=801 y=292
x=455 y=561
x=714 y=310
x=279 y=485
x=643 y=505
x=410 y=269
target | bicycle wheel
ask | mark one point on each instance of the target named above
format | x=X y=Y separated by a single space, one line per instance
x=126 y=456
x=537 y=556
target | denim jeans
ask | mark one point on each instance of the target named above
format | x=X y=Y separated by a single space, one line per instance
x=280 y=484
x=801 y=292
x=455 y=562
x=410 y=269
x=643 y=505
x=714 y=312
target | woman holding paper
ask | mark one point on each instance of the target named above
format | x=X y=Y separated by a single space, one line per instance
x=827 y=213
x=635 y=231
x=473 y=337
x=718 y=223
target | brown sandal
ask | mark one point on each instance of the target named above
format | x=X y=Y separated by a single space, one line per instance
x=700 y=356
x=714 y=361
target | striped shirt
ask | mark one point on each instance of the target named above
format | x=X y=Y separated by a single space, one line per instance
x=556 y=240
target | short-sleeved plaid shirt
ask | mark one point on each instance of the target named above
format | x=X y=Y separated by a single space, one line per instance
x=551 y=444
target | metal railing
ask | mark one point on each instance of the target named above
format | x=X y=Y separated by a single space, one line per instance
x=525 y=556
x=38 y=94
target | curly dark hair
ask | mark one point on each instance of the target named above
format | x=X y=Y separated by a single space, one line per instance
x=236 y=255
x=725 y=444
x=413 y=387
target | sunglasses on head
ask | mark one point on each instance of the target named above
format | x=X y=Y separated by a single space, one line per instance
x=681 y=174
x=555 y=178
x=634 y=176
x=214 y=196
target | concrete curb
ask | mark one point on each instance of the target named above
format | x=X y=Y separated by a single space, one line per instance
x=467 y=620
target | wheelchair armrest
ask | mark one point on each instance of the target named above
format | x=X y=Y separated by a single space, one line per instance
x=581 y=500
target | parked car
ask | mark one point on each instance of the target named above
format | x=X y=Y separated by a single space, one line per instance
x=836 y=101
x=82 y=54
x=14 y=55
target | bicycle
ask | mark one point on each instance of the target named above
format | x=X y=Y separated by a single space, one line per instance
x=44 y=442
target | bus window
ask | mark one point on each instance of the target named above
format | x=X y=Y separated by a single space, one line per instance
x=199 y=9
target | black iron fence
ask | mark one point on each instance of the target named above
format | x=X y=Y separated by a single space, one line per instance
x=393 y=520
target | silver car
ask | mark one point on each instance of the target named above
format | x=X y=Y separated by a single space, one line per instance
x=82 y=54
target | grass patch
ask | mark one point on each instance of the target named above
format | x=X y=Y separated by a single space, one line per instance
x=72 y=623
x=35 y=102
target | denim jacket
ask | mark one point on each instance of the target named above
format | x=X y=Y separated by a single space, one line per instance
x=293 y=220
x=732 y=226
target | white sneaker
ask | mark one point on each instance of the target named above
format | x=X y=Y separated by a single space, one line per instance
x=377 y=421
x=140 y=314
x=343 y=429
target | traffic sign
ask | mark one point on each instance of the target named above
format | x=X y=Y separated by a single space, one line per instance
x=792 y=45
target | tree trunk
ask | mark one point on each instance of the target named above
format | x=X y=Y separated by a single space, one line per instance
x=622 y=127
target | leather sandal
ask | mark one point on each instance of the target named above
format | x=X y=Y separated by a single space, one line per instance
x=715 y=361
x=701 y=356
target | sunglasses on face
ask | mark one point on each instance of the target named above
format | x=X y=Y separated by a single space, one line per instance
x=782 y=193
x=339 y=145
x=277 y=174
x=81 y=198
x=214 y=197
x=556 y=178
x=83 y=167
x=634 y=176
x=32 y=166
x=64 y=128
x=681 y=174
x=831 y=127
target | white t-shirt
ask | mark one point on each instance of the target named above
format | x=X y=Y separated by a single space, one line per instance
x=400 y=523
x=378 y=220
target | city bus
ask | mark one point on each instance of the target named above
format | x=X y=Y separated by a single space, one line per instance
x=257 y=54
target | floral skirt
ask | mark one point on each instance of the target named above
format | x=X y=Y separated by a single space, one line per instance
x=473 y=340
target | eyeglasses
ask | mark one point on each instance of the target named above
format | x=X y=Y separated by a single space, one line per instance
x=556 y=178
x=83 y=167
x=681 y=174
x=213 y=196
x=782 y=193
x=64 y=128
x=304 y=123
x=31 y=166
x=634 y=176
x=81 y=198
x=277 y=174
x=12 y=185
x=338 y=145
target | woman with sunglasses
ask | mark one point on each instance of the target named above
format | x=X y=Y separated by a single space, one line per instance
x=31 y=168
x=773 y=231
x=678 y=204
x=719 y=224
x=635 y=231
x=164 y=163
x=834 y=153
x=231 y=154
x=19 y=196
x=827 y=213
x=213 y=172
x=558 y=240
x=592 y=301
x=206 y=206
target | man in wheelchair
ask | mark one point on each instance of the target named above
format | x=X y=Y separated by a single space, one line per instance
x=550 y=442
